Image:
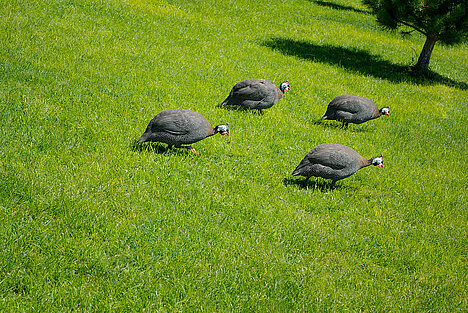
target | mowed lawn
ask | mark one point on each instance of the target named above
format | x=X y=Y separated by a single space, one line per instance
x=92 y=222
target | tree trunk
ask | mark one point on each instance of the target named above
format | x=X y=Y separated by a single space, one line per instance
x=425 y=56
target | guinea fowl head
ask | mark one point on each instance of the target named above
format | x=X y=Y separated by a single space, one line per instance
x=377 y=161
x=223 y=129
x=285 y=86
x=385 y=111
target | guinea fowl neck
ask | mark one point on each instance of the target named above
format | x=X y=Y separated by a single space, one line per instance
x=214 y=132
x=378 y=114
x=367 y=162
x=280 y=93
x=381 y=112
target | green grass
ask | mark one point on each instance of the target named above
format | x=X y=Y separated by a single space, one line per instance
x=89 y=223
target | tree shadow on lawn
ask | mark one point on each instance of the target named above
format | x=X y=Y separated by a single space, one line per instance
x=339 y=7
x=359 y=61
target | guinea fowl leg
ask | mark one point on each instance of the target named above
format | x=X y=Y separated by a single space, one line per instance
x=169 y=147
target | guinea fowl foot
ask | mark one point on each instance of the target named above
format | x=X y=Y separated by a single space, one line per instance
x=191 y=149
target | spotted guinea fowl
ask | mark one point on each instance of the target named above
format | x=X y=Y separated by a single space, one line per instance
x=353 y=109
x=256 y=94
x=180 y=127
x=333 y=161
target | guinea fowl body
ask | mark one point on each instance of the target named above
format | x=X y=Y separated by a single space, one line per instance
x=353 y=109
x=256 y=94
x=333 y=161
x=180 y=127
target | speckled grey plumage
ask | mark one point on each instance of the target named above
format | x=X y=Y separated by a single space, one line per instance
x=177 y=127
x=331 y=161
x=254 y=94
x=351 y=109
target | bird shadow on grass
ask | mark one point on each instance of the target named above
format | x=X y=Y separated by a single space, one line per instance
x=340 y=7
x=238 y=108
x=319 y=184
x=338 y=125
x=149 y=147
x=158 y=148
x=359 y=61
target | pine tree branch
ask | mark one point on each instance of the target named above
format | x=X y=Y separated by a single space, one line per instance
x=412 y=26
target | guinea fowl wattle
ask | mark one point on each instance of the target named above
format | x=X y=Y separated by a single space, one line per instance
x=353 y=109
x=333 y=161
x=256 y=94
x=180 y=127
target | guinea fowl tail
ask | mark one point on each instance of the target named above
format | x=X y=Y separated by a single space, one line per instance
x=297 y=171
x=224 y=102
x=324 y=117
x=143 y=138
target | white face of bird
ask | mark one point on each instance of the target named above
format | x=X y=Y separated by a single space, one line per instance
x=378 y=161
x=285 y=86
x=385 y=111
x=223 y=129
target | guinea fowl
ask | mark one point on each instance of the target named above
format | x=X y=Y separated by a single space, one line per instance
x=353 y=109
x=256 y=94
x=333 y=161
x=180 y=127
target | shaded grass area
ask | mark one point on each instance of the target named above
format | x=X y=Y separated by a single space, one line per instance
x=357 y=60
x=337 y=6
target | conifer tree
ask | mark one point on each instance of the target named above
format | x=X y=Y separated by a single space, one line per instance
x=438 y=20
